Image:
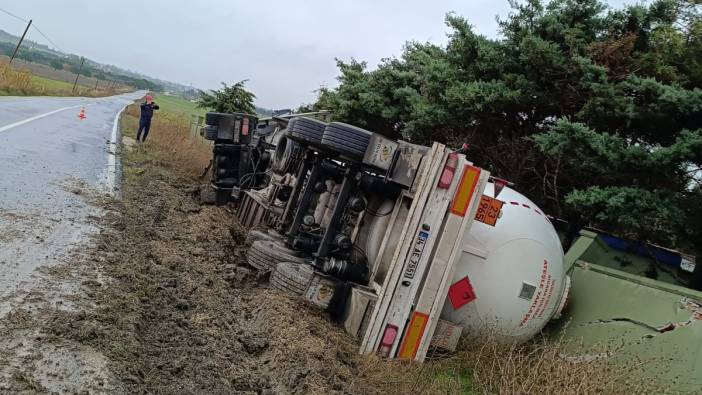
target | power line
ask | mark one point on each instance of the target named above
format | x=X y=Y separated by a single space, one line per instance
x=14 y=16
x=48 y=39
x=35 y=28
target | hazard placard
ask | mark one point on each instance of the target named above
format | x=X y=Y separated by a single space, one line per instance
x=461 y=293
x=488 y=210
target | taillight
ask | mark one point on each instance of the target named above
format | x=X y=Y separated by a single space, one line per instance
x=388 y=339
x=449 y=171
x=245 y=127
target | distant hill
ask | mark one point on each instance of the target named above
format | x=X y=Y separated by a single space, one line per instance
x=264 y=111
x=39 y=53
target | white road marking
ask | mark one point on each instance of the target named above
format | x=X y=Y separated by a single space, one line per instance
x=14 y=125
x=110 y=183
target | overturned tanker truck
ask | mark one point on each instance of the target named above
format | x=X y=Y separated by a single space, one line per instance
x=407 y=246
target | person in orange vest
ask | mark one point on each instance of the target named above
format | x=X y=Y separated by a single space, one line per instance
x=147 y=112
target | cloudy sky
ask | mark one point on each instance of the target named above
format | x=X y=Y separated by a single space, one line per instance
x=286 y=49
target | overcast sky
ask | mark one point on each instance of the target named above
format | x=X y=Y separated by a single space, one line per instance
x=286 y=49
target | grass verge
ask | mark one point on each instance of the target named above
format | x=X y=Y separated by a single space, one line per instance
x=22 y=82
x=169 y=142
x=178 y=105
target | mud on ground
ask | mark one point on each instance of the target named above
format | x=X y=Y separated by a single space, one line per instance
x=169 y=302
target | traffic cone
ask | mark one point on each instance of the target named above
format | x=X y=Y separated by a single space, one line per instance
x=81 y=114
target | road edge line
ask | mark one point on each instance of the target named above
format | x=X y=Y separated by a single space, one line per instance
x=111 y=178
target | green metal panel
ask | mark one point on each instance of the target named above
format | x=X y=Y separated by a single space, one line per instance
x=579 y=248
x=659 y=322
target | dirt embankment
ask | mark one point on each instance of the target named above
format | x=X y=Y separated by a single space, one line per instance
x=177 y=311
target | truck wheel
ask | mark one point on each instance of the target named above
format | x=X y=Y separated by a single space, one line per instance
x=346 y=139
x=286 y=151
x=265 y=254
x=306 y=130
x=291 y=124
x=292 y=278
x=256 y=235
x=265 y=235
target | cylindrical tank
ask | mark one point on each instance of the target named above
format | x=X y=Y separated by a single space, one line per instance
x=511 y=276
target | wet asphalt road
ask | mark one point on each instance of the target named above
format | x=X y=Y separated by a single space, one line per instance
x=48 y=155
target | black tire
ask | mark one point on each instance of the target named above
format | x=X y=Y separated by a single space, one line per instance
x=275 y=234
x=281 y=154
x=350 y=144
x=291 y=124
x=292 y=278
x=256 y=235
x=346 y=139
x=285 y=155
x=306 y=130
x=263 y=255
x=310 y=123
x=266 y=235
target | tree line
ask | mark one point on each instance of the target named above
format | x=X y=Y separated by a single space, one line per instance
x=72 y=63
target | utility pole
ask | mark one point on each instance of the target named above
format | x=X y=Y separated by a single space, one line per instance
x=82 y=60
x=14 y=53
x=96 y=83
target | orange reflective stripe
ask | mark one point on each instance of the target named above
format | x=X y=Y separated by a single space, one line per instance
x=415 y=331
x=465 y=191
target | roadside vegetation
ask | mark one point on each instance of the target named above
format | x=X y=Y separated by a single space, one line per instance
x=22 y=82
x=171 y=141
x=230 y=99
x=543 y=365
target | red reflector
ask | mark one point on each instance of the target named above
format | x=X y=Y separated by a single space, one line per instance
x=449 y=171
x=245 y=127
x=461 y=293
x=388 y=339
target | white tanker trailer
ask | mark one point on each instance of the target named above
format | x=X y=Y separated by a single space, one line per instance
x=408 y=246
x=494 y=267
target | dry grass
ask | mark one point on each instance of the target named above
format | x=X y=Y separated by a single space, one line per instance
x=19 y=81
x=15 y=80
x=544 y=366
x=170 y=141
